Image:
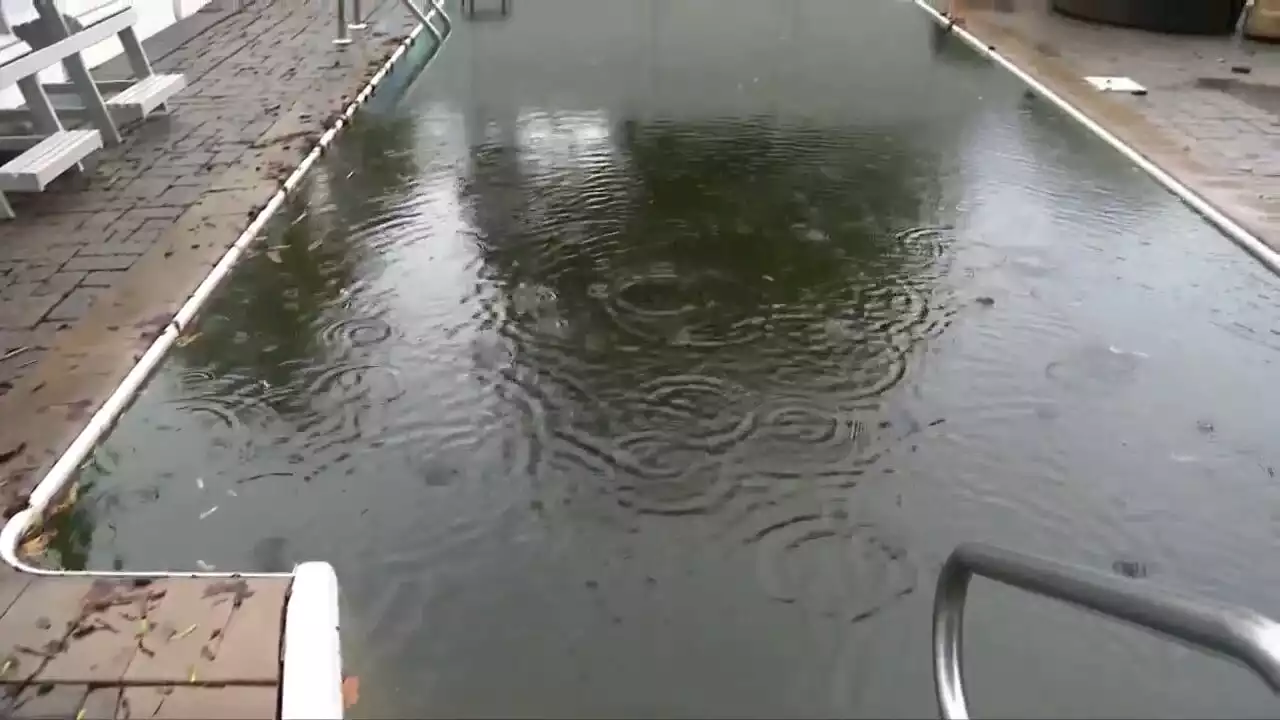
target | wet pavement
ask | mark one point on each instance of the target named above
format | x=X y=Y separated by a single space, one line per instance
x=648 y=358
x=140 y=648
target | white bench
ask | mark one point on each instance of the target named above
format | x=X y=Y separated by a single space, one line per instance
x=126 y=101
x=53 y=149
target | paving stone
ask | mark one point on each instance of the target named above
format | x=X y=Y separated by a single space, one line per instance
x=243 y=702
x=178 y=196
x=126 y=243
x=59 y=283
x=103 y=278
x=105 y=639
x=32 y=629
x=25 y=312
x=12 y=583
x=100 y=704
x=101 y=262
x=49 y=701
x=249 y=648
x=43 y=250
x=34 y=272
x=76 y=304
x=16 y=364
x=141 y=701
x=181 y=632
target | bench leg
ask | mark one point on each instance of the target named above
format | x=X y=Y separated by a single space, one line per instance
x=79 y=75
x=6 y=210
x=43 y=117
x=137 y=57
x=87 y=89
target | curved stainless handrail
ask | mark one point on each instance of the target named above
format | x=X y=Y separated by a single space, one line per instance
x=1236 y=633
x=358 y=21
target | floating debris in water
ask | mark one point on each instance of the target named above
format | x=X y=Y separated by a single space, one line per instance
x=209 y=512
x=205 y=566
x=1183 y=458
x=986 y=301
x=1130 y=568
x=199 y=483
x=1204 y=426
x=1134 y=353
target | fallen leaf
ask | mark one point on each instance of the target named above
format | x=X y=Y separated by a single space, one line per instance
x=8 y=455
x=350 y=691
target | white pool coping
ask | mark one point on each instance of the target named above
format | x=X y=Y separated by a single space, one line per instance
x=311 y=676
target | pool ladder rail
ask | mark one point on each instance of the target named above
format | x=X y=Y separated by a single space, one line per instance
x=1236 y=633
x=358 y=21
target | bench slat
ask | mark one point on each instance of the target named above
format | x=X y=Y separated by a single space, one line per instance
x=106 y=10
x=138 y=100
x=37 y=60
x=34 y=169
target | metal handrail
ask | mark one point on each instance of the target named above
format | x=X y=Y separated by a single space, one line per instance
x=358 y=21
x=1238 y=634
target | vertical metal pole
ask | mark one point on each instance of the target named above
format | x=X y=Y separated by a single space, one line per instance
x=344 y=38
x=357 y=17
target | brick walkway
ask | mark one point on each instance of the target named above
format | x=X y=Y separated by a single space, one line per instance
x=95 y=267
x=176 y=648
x=1211 y=117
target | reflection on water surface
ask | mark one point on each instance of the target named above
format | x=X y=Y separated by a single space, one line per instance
x=648 y=358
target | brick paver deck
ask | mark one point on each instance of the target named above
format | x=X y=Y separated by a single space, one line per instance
x=172 y=648
x=1211 y=116
x=94 y=268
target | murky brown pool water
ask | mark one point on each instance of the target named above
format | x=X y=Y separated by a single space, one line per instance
x=648 y=358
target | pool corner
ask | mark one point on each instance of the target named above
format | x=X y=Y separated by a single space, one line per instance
x=311 y=685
